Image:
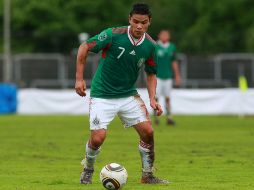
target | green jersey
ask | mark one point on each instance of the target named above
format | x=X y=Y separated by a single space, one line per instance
x=166 y=53
x=120 y=63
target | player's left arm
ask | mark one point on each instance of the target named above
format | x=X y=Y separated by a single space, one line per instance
x=151 y=70
x=151 y=87
x=176 y=69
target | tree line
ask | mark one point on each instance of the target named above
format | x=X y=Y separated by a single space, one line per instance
x=197 y=26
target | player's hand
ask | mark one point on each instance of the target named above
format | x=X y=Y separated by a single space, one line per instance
x=80 y=87
x=178 y=80
x=156 y=106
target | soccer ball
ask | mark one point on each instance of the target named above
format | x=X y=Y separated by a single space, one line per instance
x=113 y=176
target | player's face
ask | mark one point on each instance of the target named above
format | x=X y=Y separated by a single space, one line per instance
x=164 y=36
x=139 y=24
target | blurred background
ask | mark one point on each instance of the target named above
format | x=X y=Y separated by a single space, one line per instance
x=215 y=40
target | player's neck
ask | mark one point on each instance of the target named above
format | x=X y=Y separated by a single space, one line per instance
x=135 y=41
x=133 y=37
x=164 y=44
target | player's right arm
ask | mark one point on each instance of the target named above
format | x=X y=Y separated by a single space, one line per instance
x=94 y=44
x=176 y=69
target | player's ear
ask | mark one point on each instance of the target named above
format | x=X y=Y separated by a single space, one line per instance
x=129 y=19
x=150 y=21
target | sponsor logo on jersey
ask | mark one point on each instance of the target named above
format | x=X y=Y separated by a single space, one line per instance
x=102 y=36
x=133 y=52
x=141 y=61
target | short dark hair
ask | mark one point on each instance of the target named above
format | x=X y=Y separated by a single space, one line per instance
x=142 y=9
x=164 y=30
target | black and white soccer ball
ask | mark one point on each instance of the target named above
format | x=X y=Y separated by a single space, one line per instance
x=113 y=176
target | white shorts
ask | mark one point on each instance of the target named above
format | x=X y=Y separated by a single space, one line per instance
x=131 y=111
x=164 y=87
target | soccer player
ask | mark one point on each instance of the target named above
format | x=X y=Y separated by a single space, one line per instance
x=124 y=51
x=167 y=66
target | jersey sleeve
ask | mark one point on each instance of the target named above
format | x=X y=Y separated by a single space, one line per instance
x=100 y=41
x=151 y=64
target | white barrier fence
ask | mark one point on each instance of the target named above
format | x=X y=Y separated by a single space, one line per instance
x=184 y=101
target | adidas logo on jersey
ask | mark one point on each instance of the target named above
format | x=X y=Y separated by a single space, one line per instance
x=133 y=52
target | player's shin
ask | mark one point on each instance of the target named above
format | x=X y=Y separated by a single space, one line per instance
x=90 y=157
x=170 y=120
x=147 y=156
x=168 y=110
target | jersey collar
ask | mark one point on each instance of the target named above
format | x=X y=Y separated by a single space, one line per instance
x=165 y=45
x=134 y=41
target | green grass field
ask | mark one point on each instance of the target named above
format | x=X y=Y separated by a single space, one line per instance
x=208 y=152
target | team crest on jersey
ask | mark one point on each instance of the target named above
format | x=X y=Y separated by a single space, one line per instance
x=141 y=61
x=160 y=53
x=102 y=36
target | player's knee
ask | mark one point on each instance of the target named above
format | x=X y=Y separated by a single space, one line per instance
x=97 y=138
x=97 y=141
x=148 y=134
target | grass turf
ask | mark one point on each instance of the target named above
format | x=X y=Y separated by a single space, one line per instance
x=208 y=152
